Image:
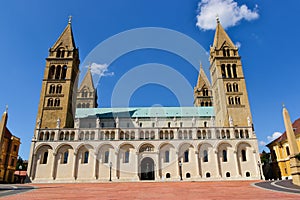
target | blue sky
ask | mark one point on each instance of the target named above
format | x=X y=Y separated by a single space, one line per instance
x=267 y=33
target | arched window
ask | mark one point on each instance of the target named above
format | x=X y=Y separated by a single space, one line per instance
x=206 y=104
x=205 y=156
x=207 y=175
x=58 y=53
x=229 y=88
x=229 y=71
x=169 y=124
x=79 y=105
x=126 y=157
x=51 y=89
x=86 y=157
x=205 y=124
x=44 y=158
x=230 y=101
x=205 y=92
x=186 y=156
x=65 y=157
x=57 y=72
x=224 y=52
x=237 y=100
x=227 y=174
x=235 y=87
x=83 y=105
x=224 y=157
x=228 y=52
x=223 y=71
x=202 y=104
x=167 y=156
x=58 y=89
x=51 y=72
x=187 y=175
x=106 y=156
x=247 y=174
x=64 y=72
x=168 y=175
x=287 y=151
x=87 y=105
x=50 y=102
x=62 y=54
x=57 y=102
x=234 y=71
x=244 y=157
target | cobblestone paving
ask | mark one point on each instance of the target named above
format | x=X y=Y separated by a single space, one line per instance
x=152 y=190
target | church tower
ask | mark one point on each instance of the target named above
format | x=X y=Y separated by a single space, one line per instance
x=228 y=83
x=87 y=94
x=59 y=86
x=202 y=91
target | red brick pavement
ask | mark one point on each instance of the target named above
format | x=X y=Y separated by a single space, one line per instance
x=152 y=190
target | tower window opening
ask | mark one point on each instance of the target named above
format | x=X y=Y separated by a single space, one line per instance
x=51 y=89
x=223 y=71
x=64 y=72
x=235 y=87
x=224 y=52
x=58 y=53
x=58 y=89
x=229 y=88
x=230 y=100
x=229 y=71
x=234 y=70
x=50 y=102
x=228 y=52
x=62 y=54
x=51 y=72
x=57 y=72
x=57 y=102
x=237 y=100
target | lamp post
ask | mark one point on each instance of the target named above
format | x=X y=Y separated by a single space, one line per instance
x=20 y=168
x=180 y=169
x=259 y=164
x=110 y=165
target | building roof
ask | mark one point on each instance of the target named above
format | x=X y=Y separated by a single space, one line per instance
x=87 y=81
x=283 y=137
x=221 y=37
x=202 y=79
x=66 y=39
x=145 y=112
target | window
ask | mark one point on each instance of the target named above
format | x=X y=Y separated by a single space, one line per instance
x=247 y=174
x=126 y=159
x=230 y=101
x=207 y=175
x=86 y=157
x=287 y=151
x=227 y=174
x=57 y=102
x=12 y=162
x=223 y=71
x=205 y=124
x=58 y=89
x=65 y=157
x=205 y=156
x=234 y=70
x=229 y=88
x=15 y=147
x=51 y=89
x=167 y=156
x=168 y=175
x=224 y=156
x=244 y=157
x=205 y=92
x=50 y=102
x=181 y=124
x=188 y=175
x=58 y=53
x=51 y=72
x=186 y=156
x=79 y=105
x=237 y=100
x=64 y=72
x=229 y=71
x=44 y=158
x=235 y=87
x=106 y=156
x=141 y=124
x=57 y=72
x=153 y=125
x=169 y=124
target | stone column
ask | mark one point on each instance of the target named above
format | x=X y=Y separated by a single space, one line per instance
x=237 y=164
x=54 y=165
x=294 y=151
x=197 y=165
x=217 y=160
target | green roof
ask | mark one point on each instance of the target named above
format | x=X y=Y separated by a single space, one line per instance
x=145 y=112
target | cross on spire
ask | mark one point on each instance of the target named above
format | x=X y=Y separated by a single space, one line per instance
x=70 y=19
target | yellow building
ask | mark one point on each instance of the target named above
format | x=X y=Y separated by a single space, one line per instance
x=9 y=145
x=280 y=152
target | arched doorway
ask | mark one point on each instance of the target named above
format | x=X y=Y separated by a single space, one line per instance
x=147 y=169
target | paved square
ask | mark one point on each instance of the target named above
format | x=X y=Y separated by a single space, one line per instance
x=153 y=190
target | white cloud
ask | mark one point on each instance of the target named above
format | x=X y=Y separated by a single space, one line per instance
x=274 y=136
x=262 y=143
x=228 y=11
x=238 y=45
x=100 y=69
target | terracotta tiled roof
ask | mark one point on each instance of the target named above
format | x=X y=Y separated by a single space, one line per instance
x=296 y=127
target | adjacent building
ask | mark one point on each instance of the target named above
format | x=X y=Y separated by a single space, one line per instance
x=280 y=153
x=74 y=141
x=9 y=146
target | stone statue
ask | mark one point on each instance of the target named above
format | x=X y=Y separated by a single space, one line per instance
x=76 y=124
x=117 y=122
x=193 y=121
x=97 y=123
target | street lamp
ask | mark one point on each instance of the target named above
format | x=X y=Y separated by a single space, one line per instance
x=110 y=165
x=20 y=168
x=259 y=164
x=180 y=169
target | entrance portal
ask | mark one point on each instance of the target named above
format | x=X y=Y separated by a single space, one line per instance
x=147 y=169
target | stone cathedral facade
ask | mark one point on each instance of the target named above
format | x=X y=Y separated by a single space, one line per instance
x=74 y=141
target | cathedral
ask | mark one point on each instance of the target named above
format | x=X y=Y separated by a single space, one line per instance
x=75 y=141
